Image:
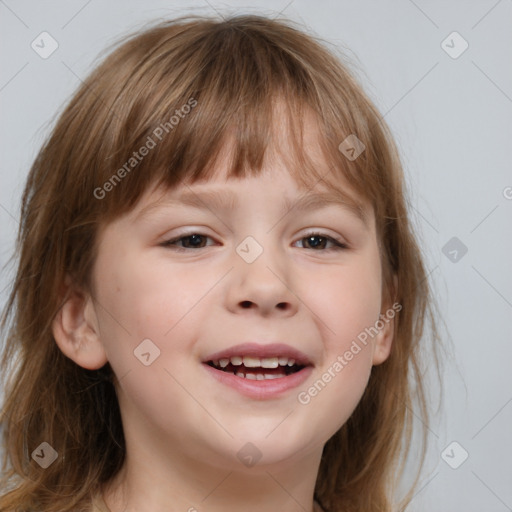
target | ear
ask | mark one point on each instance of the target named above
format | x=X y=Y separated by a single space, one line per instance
x=76 y=330
x=383 y=341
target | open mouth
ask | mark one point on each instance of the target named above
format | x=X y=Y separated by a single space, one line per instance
x=254 y=368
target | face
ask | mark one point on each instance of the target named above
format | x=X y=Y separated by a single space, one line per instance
x=191 y=273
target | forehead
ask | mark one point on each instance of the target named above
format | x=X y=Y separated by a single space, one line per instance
x=277 y=181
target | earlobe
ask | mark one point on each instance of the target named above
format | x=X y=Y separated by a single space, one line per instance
x=386 y=324
x=76 y=332
x=384 y=339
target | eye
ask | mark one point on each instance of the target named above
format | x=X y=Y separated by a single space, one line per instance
x=314 y=241
x=191 y=241
x=320 y=241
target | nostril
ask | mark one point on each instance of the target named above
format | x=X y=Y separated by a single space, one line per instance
x=246 y=304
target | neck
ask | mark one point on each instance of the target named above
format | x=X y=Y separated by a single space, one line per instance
x=175 y=483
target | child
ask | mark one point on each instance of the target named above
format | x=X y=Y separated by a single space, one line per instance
x=219 y=299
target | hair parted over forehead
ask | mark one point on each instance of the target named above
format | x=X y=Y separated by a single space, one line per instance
x=160 y=110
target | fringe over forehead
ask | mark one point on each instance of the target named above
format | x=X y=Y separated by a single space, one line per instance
x=165 y=103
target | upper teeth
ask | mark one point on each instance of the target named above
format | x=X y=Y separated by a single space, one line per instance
x=255 y=362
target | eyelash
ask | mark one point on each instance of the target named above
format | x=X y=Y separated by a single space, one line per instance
x=337 y=245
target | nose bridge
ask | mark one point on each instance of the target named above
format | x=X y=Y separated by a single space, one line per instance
x=260 y=276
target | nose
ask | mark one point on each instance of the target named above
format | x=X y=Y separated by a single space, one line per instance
x=262 y=287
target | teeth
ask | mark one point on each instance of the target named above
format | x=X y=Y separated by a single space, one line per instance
x=236 y=361
x=254 y=362
x=265 y=362
x=259 y=376
x=270 y=362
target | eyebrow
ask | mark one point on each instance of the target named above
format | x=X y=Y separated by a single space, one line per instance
x=220 y=200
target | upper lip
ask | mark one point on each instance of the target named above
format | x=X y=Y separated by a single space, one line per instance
x=261 y=351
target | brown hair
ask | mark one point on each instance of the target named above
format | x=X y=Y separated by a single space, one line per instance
x=230 y=73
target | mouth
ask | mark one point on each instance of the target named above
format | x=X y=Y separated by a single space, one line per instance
x=255 y=368
x=260 y=372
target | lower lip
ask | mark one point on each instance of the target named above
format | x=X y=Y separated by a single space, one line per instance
x=261 y=389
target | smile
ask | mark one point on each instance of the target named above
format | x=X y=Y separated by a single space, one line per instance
x=259 y=371
x=255 y=368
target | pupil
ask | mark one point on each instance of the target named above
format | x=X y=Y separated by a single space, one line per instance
x=319 y=241
x=194 y=240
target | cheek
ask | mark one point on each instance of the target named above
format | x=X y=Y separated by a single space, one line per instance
x=135 y=302
x=346 y=300
x=148 y=299
x=347 y=304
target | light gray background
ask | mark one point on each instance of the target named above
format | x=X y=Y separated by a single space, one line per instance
x=453 y=122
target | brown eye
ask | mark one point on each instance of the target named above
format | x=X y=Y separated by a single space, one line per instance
x=319 y=242
x=193 y=241
x=315 y=242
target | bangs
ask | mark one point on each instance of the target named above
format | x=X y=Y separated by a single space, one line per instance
x=189 y=94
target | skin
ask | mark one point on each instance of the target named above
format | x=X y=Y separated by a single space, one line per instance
x=183 y=428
